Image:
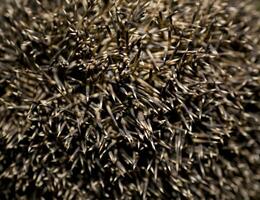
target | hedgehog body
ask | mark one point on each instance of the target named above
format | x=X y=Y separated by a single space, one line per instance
x=129 y=100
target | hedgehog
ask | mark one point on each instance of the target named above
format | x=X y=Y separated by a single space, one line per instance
x=119 y=99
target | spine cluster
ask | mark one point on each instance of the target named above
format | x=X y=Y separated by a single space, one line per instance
x=119 y=99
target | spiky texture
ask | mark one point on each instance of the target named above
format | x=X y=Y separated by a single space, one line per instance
x=129 y=99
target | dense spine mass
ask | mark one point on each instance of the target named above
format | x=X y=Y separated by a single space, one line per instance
x=129 y=99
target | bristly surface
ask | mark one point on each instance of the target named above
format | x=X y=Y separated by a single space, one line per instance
x=129 y=99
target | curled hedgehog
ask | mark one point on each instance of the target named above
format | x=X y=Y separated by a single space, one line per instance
x=140 y=99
